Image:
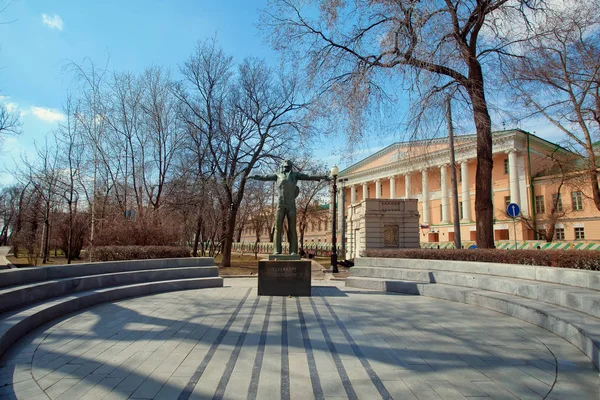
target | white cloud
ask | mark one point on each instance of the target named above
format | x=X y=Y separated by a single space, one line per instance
x=53 y=22
x=48 y=114
x=10 y=107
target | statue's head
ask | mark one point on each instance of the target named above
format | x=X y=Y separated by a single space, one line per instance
x=286 y=166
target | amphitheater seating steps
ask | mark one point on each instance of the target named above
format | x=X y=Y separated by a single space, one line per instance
x=570 y=311
x=33 y=296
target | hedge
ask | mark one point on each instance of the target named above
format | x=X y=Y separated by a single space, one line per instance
x=117 y=253
x=588 y=260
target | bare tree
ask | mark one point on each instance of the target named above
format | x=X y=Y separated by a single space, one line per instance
x=10 y=123
x=248 y=116
x=93 y=125
x=310 y=199
x=558 y=77
x=557 y=168
x=71 y=158
x=346 y=46
x=164 y=134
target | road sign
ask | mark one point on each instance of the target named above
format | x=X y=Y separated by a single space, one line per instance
x=513 y=210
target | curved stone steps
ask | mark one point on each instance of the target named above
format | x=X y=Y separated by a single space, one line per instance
x=17 y=296
x=46 y=273
x=17 y=323
x=580 y=329
x=572 y=277
x=580 y=299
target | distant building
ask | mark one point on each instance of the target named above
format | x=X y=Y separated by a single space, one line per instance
x=421 y=170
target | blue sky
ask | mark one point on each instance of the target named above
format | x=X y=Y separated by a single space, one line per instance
x=43 y=36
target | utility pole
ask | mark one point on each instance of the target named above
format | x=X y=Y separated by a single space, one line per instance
x=455 y=211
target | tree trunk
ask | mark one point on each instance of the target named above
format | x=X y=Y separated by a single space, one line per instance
x=484 y=210
x=228 y=240
x=46 y=238
x=70 y=235
x=593 y=172
x=197 y=237
x=301 y=251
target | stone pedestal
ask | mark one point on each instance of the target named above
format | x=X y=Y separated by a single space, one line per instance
x=284 y=278
x=379 y=224
x=284 y=257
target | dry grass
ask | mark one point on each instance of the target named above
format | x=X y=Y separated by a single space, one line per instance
x=21 y=262
x=244 y=264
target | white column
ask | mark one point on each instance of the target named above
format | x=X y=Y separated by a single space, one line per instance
x=340 y=210
x=392 y=187
x=466 y=195
x=425 y=202
x=407 y=186
x=444 y=189
x=353 y=194
x=378 y=189
x=513 y=177
x=365 y=191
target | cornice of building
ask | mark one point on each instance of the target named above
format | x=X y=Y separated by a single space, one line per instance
x=502 y=142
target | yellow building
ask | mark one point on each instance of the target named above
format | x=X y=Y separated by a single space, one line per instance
x=522 y=162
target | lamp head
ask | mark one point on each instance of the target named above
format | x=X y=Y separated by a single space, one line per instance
x=335 y=170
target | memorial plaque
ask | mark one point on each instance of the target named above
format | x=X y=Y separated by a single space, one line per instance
x=284 y=278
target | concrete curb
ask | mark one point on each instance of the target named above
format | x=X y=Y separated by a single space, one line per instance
x=578 y=329
x=37 y=274
x=15 y=326
x=579 y=299
x=22 y=295
x=562 y=276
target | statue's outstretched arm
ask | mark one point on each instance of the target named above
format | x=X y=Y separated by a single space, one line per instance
x=305 y=177
x=263 y=177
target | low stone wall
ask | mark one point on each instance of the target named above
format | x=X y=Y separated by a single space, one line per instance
x=37 y=274
x=563 y=301
x=571 y=277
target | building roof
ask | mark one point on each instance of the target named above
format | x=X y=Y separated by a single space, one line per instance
x=460 y=141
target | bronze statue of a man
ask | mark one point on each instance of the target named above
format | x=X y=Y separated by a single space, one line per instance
x=287 y=185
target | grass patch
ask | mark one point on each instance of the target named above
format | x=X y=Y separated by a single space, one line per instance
x=241 y=264
x=21 y=262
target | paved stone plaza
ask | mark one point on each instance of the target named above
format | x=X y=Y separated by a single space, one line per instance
x=341 y=343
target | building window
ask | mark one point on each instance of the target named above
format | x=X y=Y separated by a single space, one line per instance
x=320 y=226
x=460 y=207
x=577 y=201
x=506 y=202
x=540 y=207
x=326 y=225
x=579 y=234
x=557 y=199
x=312 y=226
x=506 y=166
x=559 y=234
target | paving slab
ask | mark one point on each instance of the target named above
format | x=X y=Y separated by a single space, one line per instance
x=340 y=343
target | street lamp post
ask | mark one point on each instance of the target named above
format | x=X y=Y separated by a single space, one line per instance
x=334 y=173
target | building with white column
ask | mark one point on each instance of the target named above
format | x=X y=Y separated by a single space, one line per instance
x=522 y=162
x=526 y=171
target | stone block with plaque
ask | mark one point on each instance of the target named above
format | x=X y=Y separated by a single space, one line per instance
x=284 y=278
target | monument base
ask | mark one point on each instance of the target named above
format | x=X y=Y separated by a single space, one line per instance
x=284 y=257
x=284 y=278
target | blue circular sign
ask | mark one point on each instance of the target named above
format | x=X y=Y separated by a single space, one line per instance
x=513 y=210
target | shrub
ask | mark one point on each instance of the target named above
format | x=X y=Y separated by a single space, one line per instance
x=589 y=260
x=117 y=253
